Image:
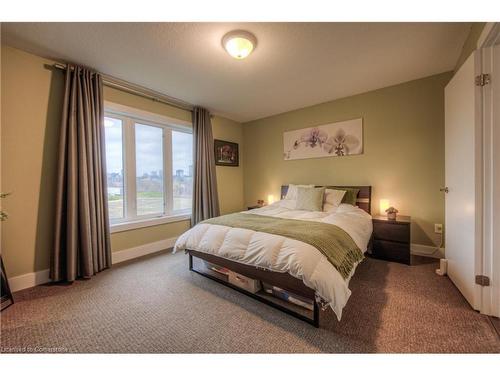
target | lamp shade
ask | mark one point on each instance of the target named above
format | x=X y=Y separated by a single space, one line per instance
x=270 y=199
x=384 y=205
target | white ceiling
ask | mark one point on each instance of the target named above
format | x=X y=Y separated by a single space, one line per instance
x=294 y=65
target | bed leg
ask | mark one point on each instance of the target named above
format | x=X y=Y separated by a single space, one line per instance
x=316 y=314
x=190 y=262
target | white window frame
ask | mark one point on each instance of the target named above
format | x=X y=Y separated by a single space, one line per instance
x=129 y=117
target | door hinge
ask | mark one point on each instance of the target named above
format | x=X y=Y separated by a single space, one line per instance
x=482 y=280
x=483 y=79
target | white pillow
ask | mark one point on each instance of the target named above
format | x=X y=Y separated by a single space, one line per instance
x=332 y=199
x=329 y=208
x=292 y=191
x=290 y=204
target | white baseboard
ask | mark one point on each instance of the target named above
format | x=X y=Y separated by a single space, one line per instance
x=32 y=279
x=28 y=280
x=139 y=251
x=427 y=251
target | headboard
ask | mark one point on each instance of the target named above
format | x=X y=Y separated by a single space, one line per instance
x=363 y=200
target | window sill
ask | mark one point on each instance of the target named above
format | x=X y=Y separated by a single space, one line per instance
x=144 y=223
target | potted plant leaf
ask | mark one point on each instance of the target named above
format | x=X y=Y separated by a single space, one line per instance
x=3 y=214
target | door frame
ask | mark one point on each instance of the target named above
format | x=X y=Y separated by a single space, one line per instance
x=488 y=112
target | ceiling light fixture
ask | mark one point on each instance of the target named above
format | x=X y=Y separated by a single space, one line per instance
x=239 y=43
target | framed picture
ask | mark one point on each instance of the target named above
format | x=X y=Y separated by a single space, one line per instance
x=226 y=153
x=343 y=138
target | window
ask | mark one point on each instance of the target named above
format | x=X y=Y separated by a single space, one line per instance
x=149 y=170
x=149 y=161
x=114 y=167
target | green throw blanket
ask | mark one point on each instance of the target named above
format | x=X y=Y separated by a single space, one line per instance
x=332 y=241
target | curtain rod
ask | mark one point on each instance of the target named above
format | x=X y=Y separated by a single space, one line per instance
x=138 y=90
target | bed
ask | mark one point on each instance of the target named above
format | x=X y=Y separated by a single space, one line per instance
x=289 y=263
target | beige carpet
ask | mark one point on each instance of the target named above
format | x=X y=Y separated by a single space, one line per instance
x=155 y=304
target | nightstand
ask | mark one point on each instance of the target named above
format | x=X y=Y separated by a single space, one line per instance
x=391 y=238
x=253 y=207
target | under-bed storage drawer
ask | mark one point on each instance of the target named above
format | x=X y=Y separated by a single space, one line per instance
x=249 y=279
x=243 y=282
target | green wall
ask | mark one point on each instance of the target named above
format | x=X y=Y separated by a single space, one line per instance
x=403 y=155
x=31 y=100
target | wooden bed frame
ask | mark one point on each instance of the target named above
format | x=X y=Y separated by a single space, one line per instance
x=281 y=280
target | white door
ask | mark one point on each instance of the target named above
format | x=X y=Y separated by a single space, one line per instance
x=461 y=169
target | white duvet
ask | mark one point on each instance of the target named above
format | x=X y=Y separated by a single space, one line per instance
x=281 y=254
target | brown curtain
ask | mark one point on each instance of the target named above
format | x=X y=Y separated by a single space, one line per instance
x=205 y=198
x=82 y=245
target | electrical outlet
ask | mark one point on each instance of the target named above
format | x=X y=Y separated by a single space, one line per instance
x=438 y=228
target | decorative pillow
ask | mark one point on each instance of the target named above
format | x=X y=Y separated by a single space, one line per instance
x=333 y=198
x=310 y=199
x=292 y=190
x=351 y=195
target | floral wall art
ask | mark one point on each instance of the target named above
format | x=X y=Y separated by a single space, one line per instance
x=335 y=139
